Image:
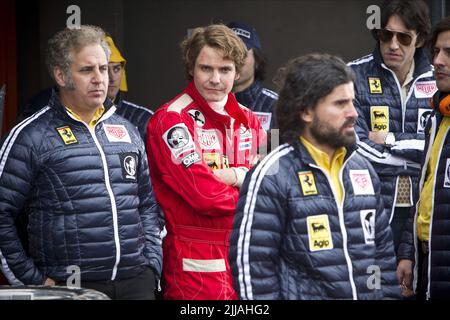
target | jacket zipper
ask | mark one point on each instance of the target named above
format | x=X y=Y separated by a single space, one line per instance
x=109 y=189
x=340 y=208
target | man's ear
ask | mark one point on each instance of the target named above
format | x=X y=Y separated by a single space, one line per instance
x=420 y=44
x=307 y=115
x=237 y=76
x=59 y=76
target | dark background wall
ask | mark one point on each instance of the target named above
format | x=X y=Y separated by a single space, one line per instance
x=148 y=34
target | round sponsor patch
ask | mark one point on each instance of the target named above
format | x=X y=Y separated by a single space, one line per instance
x=177 y=137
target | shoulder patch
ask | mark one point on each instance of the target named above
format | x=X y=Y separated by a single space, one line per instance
x=179 y=104
x=198 y=117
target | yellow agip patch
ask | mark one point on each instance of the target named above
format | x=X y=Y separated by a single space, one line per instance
x=379 y=118
x=307 y=183
x=319 y=233
x=67 y=135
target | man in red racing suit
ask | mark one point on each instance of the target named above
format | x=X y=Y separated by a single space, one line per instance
x=202 y=143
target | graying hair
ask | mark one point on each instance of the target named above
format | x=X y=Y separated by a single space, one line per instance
x=68 y=40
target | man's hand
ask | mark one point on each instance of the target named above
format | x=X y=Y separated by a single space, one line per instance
x=227 y=176
x=378 y=136
x=404 y=276
x=49 y=282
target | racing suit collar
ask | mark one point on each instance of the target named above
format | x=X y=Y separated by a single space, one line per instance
x=231 y=107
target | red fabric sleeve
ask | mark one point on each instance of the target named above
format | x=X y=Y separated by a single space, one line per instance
x=195 y=183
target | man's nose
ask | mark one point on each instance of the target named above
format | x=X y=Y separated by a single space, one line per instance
x=351 y=111
x=438 y=59
x=215 y=77
x=98 y=76
x=393 y=43
x=110 y=74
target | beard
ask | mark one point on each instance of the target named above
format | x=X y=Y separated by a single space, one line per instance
x=336 y=138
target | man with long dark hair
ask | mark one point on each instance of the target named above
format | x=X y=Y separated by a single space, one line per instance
x=310 y=222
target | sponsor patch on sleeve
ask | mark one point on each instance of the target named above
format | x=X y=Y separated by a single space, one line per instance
x=116 y=133
x=379 y=118
x=307 y=183
x=67 y=135
x=368 y=225
x=319 y=233
x=425 y=89
x=375 y=85
x=361 y=182
x=422 y=117
x=264 y=118
x=179 y=140
x=128 y=162
x=190 y=159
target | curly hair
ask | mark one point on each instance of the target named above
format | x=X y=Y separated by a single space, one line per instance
x=304 y=81
x=216 y=36
x=61 y=46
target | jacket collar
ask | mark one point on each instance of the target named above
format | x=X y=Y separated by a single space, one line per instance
x=56 y=104
x=306 y=157
x=421 y=61
x=231 y=107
